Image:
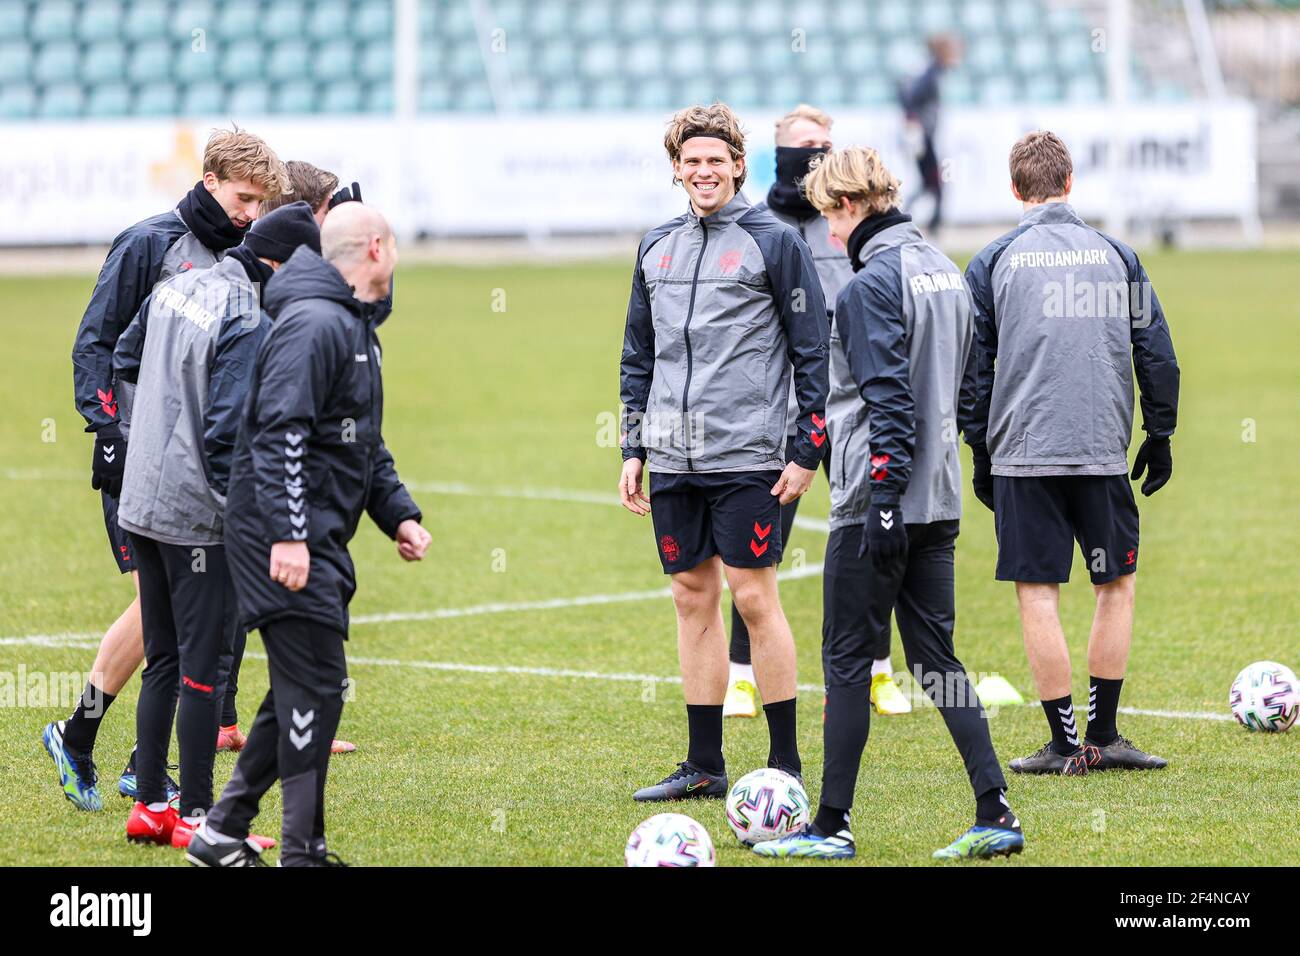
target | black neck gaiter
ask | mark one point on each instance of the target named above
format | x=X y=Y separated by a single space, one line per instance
x=208 y=221
x=257 y=270
x=785 y=196
x=868 y=228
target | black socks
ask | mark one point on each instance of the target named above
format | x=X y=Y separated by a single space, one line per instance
x=82 y=727
x=704 y=727
x=1103 y=704
x=1060 y=717
x=783 y=751
x=830 y=821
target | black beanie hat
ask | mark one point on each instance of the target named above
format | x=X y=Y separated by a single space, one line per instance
x=276 y=235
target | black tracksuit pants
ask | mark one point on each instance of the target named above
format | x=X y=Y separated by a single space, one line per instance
x=857 y=601
x=739 y=652
x=290 y=737
x=229 y=713
x=188 y=613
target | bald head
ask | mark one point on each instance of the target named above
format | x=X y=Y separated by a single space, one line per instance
x=358 y=241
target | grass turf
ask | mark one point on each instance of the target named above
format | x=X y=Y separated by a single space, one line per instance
x=480 y=767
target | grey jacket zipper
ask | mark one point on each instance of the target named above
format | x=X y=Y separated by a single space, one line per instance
x=690 y=312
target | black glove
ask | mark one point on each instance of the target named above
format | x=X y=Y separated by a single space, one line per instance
x=109 y=461
x=346 y=195
x=983 y=478
x=885 y=538
x=1156 y=460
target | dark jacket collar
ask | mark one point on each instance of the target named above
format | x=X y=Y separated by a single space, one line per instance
x=861 y=248
x=307 y=276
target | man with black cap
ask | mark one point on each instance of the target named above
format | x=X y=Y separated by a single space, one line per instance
x=190 y=352
x=309 y=461
x=239 y=172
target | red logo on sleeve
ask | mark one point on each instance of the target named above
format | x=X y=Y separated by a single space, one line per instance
x=106 y=403
x=818 y=430
x=878 y=470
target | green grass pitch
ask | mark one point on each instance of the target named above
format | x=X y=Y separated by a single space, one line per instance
x=457 y=765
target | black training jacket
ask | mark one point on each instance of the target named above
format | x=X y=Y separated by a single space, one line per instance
x=310 y=455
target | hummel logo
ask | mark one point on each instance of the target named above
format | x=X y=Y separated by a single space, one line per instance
x=299 y=740
x=293 y=467
x=298 y=520
x=302 y=720
x=886 y=519
x=110 y=453
x=292 y=438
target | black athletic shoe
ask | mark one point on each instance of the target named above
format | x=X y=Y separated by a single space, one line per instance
x=1047 y=760
x=206 y=851
x=1120 y=754
x=684 y=783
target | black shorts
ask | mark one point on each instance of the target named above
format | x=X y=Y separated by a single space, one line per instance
x=733 y=514
x=118 y=539
x=1038 y=519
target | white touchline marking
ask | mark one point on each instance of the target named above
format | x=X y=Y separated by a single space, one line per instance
x=91 y=641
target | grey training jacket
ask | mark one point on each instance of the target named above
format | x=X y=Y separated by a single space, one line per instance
x=1063 y=316
x=201 y=330
x=898 y=371
x=724 y=310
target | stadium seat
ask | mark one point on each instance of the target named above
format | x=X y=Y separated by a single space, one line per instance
x=1086 y=88
x=378 y=98
x=296 y=96
x=334 y=61
x=13 y=21
x=283 y=20
x=473 y=96
x=594 y=19
x=145 y=20
x=376 y=62
x=957 y=88
x=55 y=63
x=191 y=15
x=99 y=20
x=109 y=100
x=373 y=21
x=1031 y=53
x=241 y=62
x=435 y=95
x=342 y=96
x=652 y=94
x=288 y=60
x=156 y=99
x=564 y=95
x=557 y=60
x=60 y=101
x=893 y=17
x=850 y=19
x=328 y=20
x=742 y=92
x=203 y=99
x=599 y=59
x=826 y=90
x=103 y=62
x=465 y=62
x=979 y=17
x=15 y=62
x=643 y=58
x=527 y=93
x=935 y=16
x=52 y=20
x=609 y=94
x=249 y=99
x=17 y=101
x=859 y=55
x=194 y=66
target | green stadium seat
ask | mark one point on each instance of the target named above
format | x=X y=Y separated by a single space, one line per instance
x=288 y=60
x=473 y=96
x=527 y=93
x=997 y=91
x=1022 y=16
x=109 y=99
x=783 y=90
x=636 y=21
x=874 y=90
x=241 y=62
x=283 y=20
x=373 y=21
x=1044 y=87
x=334 y=61
x=1084 y=89
x=435 y=95
x=936 y=16
x=643 y=58
x=239 y=21
x=850 y=19
x=145 y=20
x=511 y=16
x=906 y=57
x=329 y=20
x=431 y=23
x=859 y=55
x=549 y=19
x=248 y=99
x=742 y=92
x=957 y=88
x=987 y=55
x=558 y=60
x=1031 y=53
x=465 y=63
x=894 y=17
x=378 y=98
x=1074 y=52
x=17 y=101
x=60 y=101
x=52 y=20
x=55 y=63
x=156 y=99
x=686 y=57
x=13 y=21
x=203 y=99
x=195 y=66
x=678 y=19
x=342 y=96
x=653 y=94
x=431 y=57
x=296 y=96
x=978 y=17
x=595 y=19
x=611 y=94
x=15 y=62
x=599 y=59
x=454 y=21
x=522 y=58
x=731 y=58
x=99 y=20
x=375 y=65
x=103 y=62
x=772 y=55
x=564 y=95
x=760 y=18
x=825 y=91
x=191 y=15
x=809 y=16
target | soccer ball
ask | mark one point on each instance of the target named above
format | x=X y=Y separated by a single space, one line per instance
x=765 y=805
x=1265 y=696
x=669 y=839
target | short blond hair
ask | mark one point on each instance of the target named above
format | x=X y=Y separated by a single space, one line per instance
x=238 y=154
x=1040 y=166
x=855 y=172
x=802 y=111
x=306 y=182
x=717 y=120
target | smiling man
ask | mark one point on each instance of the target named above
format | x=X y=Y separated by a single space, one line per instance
x=725 y=307
x=239 y=172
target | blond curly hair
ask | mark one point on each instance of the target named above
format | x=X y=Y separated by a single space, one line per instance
x=855 y=172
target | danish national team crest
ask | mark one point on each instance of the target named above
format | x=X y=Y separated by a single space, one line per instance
x=729 y=261
x=668 y=545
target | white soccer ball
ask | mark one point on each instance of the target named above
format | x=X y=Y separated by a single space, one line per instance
x=669 y=839
x=765 y=805
x=1265 y=696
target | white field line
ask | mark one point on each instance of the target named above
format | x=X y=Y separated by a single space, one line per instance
x=91 y=641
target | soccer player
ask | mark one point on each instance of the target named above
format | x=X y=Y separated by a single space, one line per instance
x=239 y=172
x=801 y=135
x=319 y=189
x=904 y=325
x=725 y=307
x=309 y=460
x=1064 y=315
x=188 y=353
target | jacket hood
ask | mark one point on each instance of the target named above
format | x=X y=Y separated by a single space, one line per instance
x=1051 y=212
x=307 y=276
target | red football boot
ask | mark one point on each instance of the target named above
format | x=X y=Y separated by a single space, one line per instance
x=231 y=738
x=145 y=826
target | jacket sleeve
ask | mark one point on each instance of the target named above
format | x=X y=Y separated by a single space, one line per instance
x=298 y=364
x=801 y=306
x=1154 y=361
x=636 y=367
x=389 y=503
x=126 y=278
x=977 y=386
x=874 y=336
x=129 y=350
x=228 y=378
